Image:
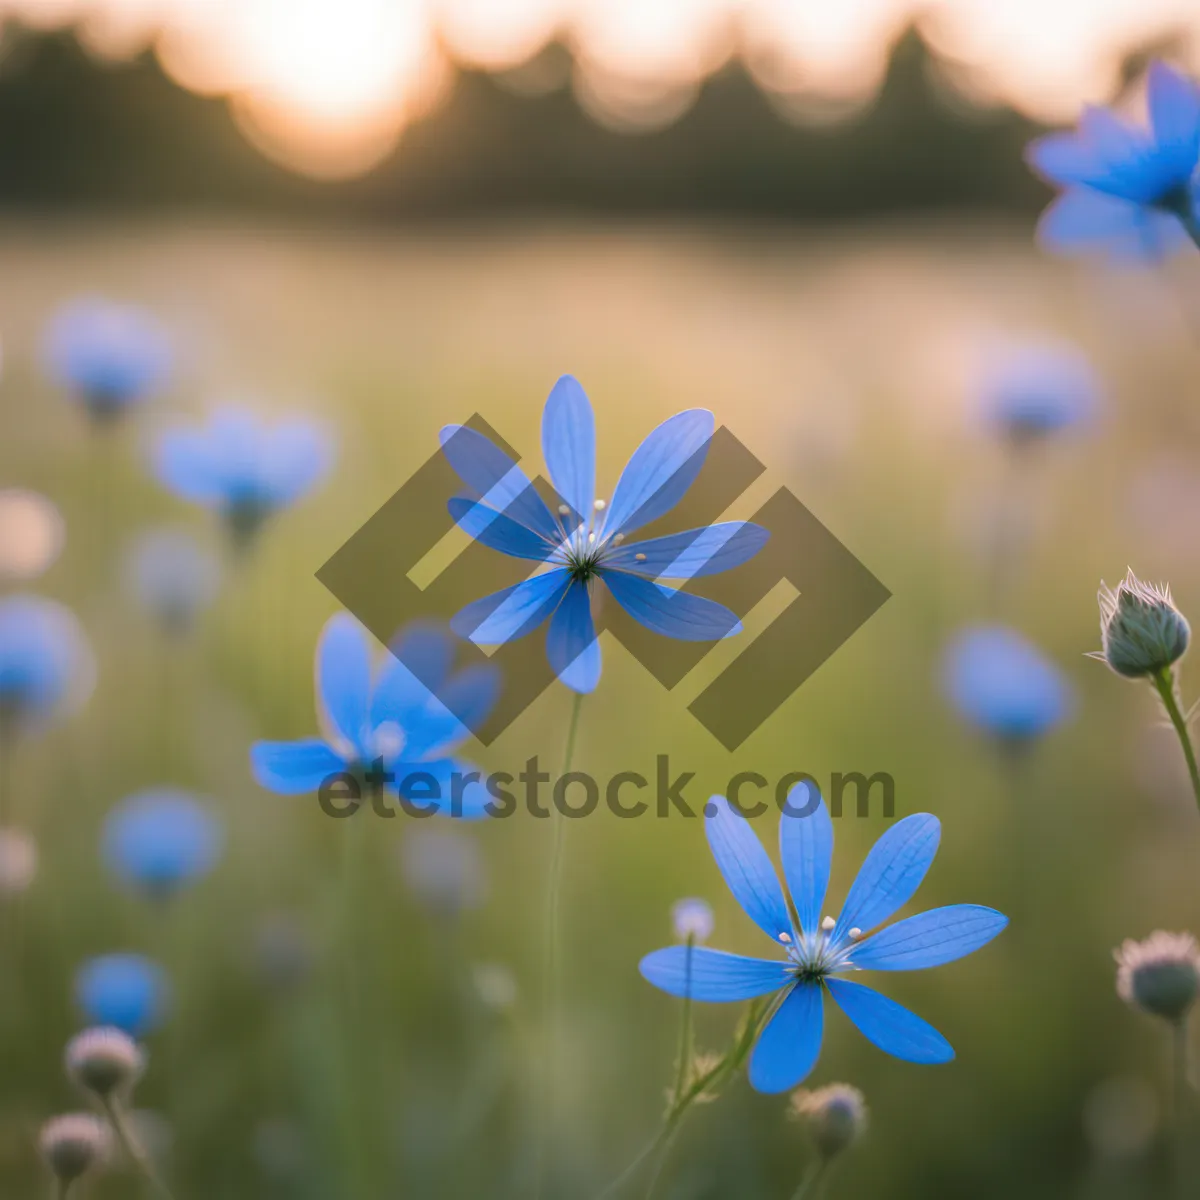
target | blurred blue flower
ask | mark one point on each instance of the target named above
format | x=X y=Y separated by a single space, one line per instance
x=405 y=722
x=1129 y=191
x=819 y=950
x=1037 y=388
x=173 y=577
x=444 y=870
x=110 y=356
x=242 y=467
x=585 y=542
x=127 y=991
x=1004 y=685
x=46 y=665
x=161 y=839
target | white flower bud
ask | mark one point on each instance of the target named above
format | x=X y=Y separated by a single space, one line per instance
x=104 y=1061
x=836 y=1116
x=1141 y=630
x=73 y=1144
x=692 y=919
x=1160 y=975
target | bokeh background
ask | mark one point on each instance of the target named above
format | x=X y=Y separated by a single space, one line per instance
x=385 y=216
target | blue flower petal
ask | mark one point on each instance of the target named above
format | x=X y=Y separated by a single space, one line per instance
x=293 y=768
x=498 y=531
x=450 y=787
x=427 y=649
x=569 y=445
x=1082 y=220
x=746 y=868
x=494 y=478
x=788 y=1047
x=1174 y=103
x=571 y=644
x=890 y=874
x=344 y=676
x=459 y=709
x=687 y=555
x=1064 y=158
x=930 y=938
x=512 y=612
x=184 y=464
x=671 y=612
x=662 y=468
x=889 y=1025
x=713 y=975
x=124 y=990
x=806 y=851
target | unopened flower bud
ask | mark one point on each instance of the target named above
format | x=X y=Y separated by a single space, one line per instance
x=1141 y=630
x=104 y=1061
x=836 y=1116
x=1161 y=975
x=73 y=1144
x=692 y=919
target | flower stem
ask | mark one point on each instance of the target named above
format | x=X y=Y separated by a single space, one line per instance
x=811 y=1185
x=685 y=1025
x=117 y=1119
x=1164 y=684
x=550 y=968
x=1179 y=1098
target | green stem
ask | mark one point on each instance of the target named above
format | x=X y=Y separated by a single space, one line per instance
x=550 y=981
x=685 y=1026
x=61 y=1188
x=1179 y=1096
x=137 y=1155
x=1164 y=684
x=810 y=1185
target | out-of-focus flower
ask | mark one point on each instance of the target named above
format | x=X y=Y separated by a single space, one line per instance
x=108 y=356
x=1128 y=191
x=242 y=467
x=1142 y=633
x=692 y=919
x=388 y=722
x=126 y=991
x=72 y=1145
x=495 y=985
x=1032 y=390
x=444 y=870
x=283 y=951
x=161 y=839
x=1004 y=685
x=173 y=577
x=18 y=861
x=104 y=1060
x=46 y=664
x=584 y=542
x=32 y=533
x=819 y=950
x=835 y=1116
x=1160 y=975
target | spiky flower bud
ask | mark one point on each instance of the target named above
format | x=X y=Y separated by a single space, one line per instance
x=1141 y=630
x=836 y=1116
x=692 y=919
x=1160 y=975
x=104 y=1061
x=73 y=1144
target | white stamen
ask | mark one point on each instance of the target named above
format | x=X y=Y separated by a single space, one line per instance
x=599 y=505
x=827 y=924
x=564 y=510
x=855 y=934
x=618 y=539
x=786 y=938
x=591 y=538
x=639 y=558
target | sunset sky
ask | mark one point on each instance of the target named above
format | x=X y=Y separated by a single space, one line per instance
x=328 y=85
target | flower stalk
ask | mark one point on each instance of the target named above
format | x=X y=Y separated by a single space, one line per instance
x=1164 y=685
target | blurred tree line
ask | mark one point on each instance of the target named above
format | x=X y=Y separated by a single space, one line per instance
x=78 y=133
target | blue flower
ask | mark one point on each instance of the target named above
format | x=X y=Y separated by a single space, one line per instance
x=111 y=357
x=173 y=577
x=818 y=951
x=243 y=468
x=160 y=840
x=1004 y=685
x=584 y=543
x=1034 y=389
x=127 y=991
x=405 y=719
x=1129 y=191
x=46 y=665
